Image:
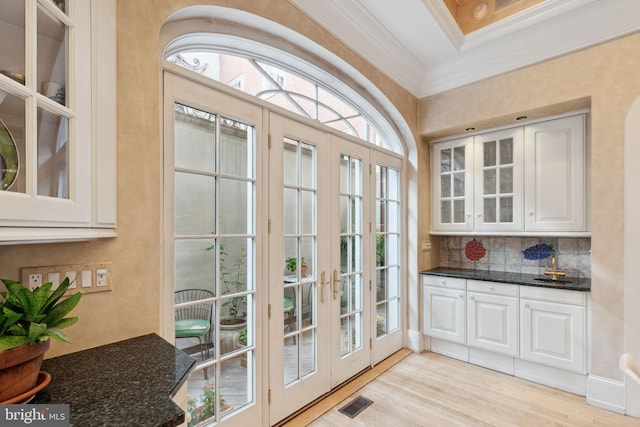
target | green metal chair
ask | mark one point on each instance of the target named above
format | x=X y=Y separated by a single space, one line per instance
x=193 y=318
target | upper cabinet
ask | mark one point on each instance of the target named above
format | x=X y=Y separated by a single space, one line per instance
x=523 y=180
x=57 y=120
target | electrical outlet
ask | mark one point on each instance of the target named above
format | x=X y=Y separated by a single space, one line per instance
x=35 y=280
x=101 y=277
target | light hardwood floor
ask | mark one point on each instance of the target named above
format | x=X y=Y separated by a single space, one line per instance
x=432 y=390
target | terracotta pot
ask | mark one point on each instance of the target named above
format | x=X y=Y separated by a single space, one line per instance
x=19 y=368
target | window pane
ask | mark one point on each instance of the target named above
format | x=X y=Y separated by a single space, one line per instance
x=458 y=155
x=445 y=185
x=506 y=209
x=445 y=211
x=12 y=31
x=290 y=162
x=307 y=212
x=445 y=160
x=506 y=180
x=290 y=211
x=489 y=211
x=458 y=184
x=458 y=212
x=195 y=264
x=307 y=165
x=236 y=206
x=489 y=181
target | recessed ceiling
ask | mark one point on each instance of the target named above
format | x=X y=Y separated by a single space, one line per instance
x=419 y=44
x=471 y=15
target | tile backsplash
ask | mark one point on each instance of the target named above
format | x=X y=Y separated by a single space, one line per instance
x=506 y=254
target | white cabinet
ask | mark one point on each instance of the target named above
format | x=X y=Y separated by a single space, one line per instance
x=555 y=175
x=498 y=182
x=553 y=328
x=57 y=100
x=444 y=308
x=452 y=185
x=523 y=180
x=492 y=317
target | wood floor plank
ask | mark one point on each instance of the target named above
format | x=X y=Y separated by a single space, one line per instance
x=432 y=390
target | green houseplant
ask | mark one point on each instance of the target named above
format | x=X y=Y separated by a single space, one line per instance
x=292 y=265
x=28 y=318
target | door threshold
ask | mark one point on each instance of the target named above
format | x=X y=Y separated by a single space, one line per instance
x=326 y=402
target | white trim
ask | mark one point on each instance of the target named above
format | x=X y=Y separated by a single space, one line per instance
x=415 y=341
x=606 y=393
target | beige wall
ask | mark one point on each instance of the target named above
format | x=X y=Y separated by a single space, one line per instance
x=133 y=307
x=606 y=77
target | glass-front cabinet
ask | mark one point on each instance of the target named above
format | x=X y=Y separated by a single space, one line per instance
x=498 y=177
x=452 y=185
x=50 y=98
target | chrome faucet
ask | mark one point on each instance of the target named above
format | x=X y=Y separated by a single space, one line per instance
x=554 y=272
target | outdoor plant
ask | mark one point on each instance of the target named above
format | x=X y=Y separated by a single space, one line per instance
x=28 y=316
x=292 y=263
x=207 y=407
x=233 y=280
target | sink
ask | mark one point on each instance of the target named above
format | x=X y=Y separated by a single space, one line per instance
x=549 y=279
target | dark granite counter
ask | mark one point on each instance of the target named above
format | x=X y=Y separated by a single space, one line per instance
x=569 y=283
x=128 y=383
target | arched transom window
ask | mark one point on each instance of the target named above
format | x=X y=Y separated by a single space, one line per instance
x=300 y=88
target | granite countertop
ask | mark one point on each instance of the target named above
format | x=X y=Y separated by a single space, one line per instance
x=569 y=283
x=125 y=383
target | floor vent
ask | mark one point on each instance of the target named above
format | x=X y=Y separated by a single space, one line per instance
x=356 y=406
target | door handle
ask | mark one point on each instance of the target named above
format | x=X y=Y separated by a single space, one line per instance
x=336 y=284
x=323 y=282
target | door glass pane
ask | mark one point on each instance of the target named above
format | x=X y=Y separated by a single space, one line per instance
x=52 y=56
x=445 y=211
x=445 y=160
x=506 y=151
x=458 y=212
x=489 y=181
x=299 y=288
x=12 y=28
x=445 y=186
x=506 y=209
x=458 y=156
x=12 y=149
x=388 y=248
x=506 y=180
x=195 y=130
x=351 y=256
x=213 y=273
x=236 y=148
x=53 y=155
x=199 y=193
x=489 y=153
x=458 y=184
x=490 y=213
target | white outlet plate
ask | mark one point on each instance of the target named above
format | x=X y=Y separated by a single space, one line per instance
x=85 y=278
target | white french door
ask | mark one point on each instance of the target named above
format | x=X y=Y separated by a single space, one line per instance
x=299 y=300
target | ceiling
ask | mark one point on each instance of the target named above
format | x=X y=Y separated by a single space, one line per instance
x=418 y=44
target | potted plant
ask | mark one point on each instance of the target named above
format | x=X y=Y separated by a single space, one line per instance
x=292 y=265
x=206 y=408
x=28 y=318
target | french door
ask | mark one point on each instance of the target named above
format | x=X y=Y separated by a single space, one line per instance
x=287 y=227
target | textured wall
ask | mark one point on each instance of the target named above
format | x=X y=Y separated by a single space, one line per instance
x=606 y=78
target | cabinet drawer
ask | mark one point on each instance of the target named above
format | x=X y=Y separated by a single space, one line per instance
x=492 y=288
x=444 y=282
x=561 y=296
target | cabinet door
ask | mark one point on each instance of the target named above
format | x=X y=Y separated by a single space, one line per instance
x=452 y=185
x=555 y=175
x=553 y=334
x=498 y=176
x=444 y=313
x=492 y=323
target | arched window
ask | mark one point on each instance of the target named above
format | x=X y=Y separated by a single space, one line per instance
x=296 y=85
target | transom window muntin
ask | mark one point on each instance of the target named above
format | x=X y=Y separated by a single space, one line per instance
x=286 y=88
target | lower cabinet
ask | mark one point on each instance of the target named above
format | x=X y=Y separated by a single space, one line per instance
x=492 y=322
x=445 y=314
x=532 y=332
x=553 y=332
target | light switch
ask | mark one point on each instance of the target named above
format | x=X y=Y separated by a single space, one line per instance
x=101 y=277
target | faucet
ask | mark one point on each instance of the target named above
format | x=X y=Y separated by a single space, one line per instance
x=554 y=272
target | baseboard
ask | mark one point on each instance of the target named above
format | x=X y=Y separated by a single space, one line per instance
x=414 y=341
x=553 y=377
x=606 y=393
x=450 y=349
